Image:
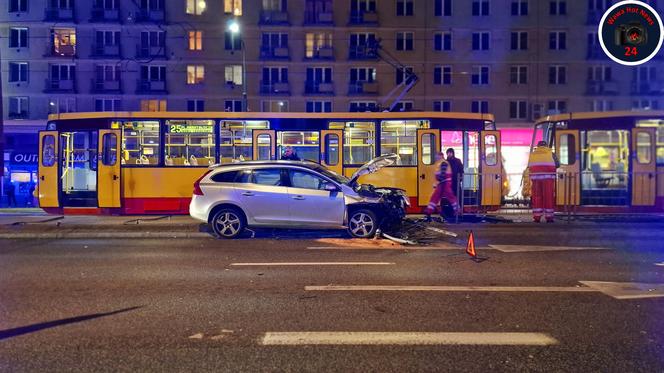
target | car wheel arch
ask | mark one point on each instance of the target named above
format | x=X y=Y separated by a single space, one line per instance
x=224 y=205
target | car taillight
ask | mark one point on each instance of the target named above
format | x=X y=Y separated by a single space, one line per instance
x=197 y=185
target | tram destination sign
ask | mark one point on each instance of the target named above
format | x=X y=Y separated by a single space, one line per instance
x=190 y=128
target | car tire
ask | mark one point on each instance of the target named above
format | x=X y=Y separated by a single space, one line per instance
x=228 y=223
x=362 y=224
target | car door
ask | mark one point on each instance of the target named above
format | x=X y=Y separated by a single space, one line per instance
x=309 y=201
x=263 y=195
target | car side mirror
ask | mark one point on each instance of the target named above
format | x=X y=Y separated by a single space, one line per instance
x=331 y=187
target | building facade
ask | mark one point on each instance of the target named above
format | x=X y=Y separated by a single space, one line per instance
x=517 y=59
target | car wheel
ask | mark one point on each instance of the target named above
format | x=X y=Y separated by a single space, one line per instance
x=362 y=224
x=228 y=223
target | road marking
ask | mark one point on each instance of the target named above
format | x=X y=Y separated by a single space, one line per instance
x=383 y=248
x=406 y=338
x=313 y=264
x=660 y=264
x=536 y=248
x=627 y=290
x=557 y=289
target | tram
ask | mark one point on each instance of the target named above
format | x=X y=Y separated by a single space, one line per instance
x=147 y=162
x=609 y=161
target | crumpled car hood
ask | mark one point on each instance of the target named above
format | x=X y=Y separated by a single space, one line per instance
x=374 y=165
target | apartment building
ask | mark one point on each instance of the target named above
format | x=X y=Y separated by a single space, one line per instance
x=518 y=59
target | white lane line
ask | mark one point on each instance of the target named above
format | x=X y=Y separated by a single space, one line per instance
x=405 y=338
x=313 y=264
x=383 y=248
x=627 y=290
x=660 y=264
x=557 y=289
x=536 y=248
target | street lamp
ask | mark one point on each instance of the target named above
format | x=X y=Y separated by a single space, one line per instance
x=234 y=28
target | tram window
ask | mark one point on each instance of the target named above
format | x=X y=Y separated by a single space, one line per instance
x=305 y=143
x=236 y=139
x=331 y=149
x=428 y=148
x=225 y=177
x=643 y=148
x=490 y=150
x=190 y=143
x=453 y=140
x=359 y=141
x=141 y=144
x=264 y=144
x=109 y=149
x=48 y=151
x=605 y=159
x=399 y=137
x=567 y=149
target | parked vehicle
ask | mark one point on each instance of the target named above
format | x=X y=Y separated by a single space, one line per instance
x=295 y=194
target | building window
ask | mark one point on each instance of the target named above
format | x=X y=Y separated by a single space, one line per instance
x=233 y=7
x=557 y=74
x=274 y=5
x=272 y=40
x=401 y=74
x=558 y=7
x=645 y=105
x=480 y=7
x=195 y=40
x=272 y=75
x=58 y=105
x=442 y=75
x=18 y=72
x=319 y=106
x=442 y=41
x=599 y=73
x=106 y=4
x=645 y=74
x=481 y=41
x=153 y=105
x=442 y=8
x=405 y=41
x=404 y=106
x=233 y=105
x=196 y=7
x=195 y=74
x=519 y=40
x=442 y=105
x=18 y=37
x=152 y=5
x=599 y=5
x=359 y=42
x=519 y=74
x=557 y=106
x=317 y=76
x=18 y=107
x=274 y=106
x=362 y=74
x=404 y=7
x=107 y=104
x=140 y=142
x=557 y=40
x=153 y=73
x=232 y=41
x=16 y=6
x=195 y=105
x=479 y=106
x=233 y=74
x=480 y=75
x=362 y=106
x=601 y=105
x=64 y=41
x=519 y=7
x=518 y=109
x=60 y=73
x=314 y=43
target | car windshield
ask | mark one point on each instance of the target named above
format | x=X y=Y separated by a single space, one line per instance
x=333 y=175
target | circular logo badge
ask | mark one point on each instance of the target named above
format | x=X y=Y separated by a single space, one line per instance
x=631 y=33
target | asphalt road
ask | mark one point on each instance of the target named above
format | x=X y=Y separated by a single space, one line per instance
x=185 y=305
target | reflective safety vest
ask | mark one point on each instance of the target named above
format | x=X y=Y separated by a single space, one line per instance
x=541 y=164
x=444 y=173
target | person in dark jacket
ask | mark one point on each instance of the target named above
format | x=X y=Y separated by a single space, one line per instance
x=457 y=170
x=289 y=155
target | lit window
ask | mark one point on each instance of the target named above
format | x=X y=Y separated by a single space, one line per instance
x=233 y=74
x=400 y=137
x=196 y=7
x=190 y=143
x=195 y=74
x=140 y=143
x=153 y=105
x=233 y=7
x=274 y=106
x=236 y=138
x=359 y=141
x=305 y=143
x=195 y=40
x=64 y=41
x=318 y=45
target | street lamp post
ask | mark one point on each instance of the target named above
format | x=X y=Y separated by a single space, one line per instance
x=234 y=28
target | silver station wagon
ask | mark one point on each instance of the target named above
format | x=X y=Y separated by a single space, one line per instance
x=294 y=194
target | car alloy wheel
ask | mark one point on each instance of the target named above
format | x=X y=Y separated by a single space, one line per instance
x=362 y=224
x=227 y=224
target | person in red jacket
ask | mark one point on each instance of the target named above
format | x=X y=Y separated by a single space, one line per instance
x=542 y=165
x=443 y=189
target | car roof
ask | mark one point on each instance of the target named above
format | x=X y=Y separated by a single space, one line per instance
x=251 y=164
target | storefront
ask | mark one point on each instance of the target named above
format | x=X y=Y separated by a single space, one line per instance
x=20 y=169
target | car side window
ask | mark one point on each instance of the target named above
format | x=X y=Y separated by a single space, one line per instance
x=225 y=177
x=267 y=176
x=306 y=180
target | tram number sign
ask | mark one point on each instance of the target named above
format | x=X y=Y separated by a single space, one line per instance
x=184 y=128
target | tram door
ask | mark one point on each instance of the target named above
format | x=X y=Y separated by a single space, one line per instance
x=49 y=186
x=491 y=168
x=644 y=182
x=428 y=145
x=265 y=145
x=568 y=181
x=108 y=169
x=331 y=153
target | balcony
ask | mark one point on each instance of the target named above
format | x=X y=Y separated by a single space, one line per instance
x=322 y=53
x=59 y=15
x=275 y=88
x=647 y=88
x=319 y=88
x=600 y=87
x=274 y=17
x=61 y=51
x=60 y=86
x=362 y=52
x=145 y=16
x=363 y=88
x=105 y=15
x=149 y=51
x=106 y=86
x=18 y=115
x=102 y=50
x=151 y=86
x=364 y=18
x=319 y=19
x=275 y=53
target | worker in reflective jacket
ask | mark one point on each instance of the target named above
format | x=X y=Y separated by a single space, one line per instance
x=542 y=172
x=443 y=189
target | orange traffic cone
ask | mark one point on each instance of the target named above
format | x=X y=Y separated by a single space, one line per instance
x=470 y=247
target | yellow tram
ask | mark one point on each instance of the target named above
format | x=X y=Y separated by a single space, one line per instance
x=147 y=162
x=609 y=161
